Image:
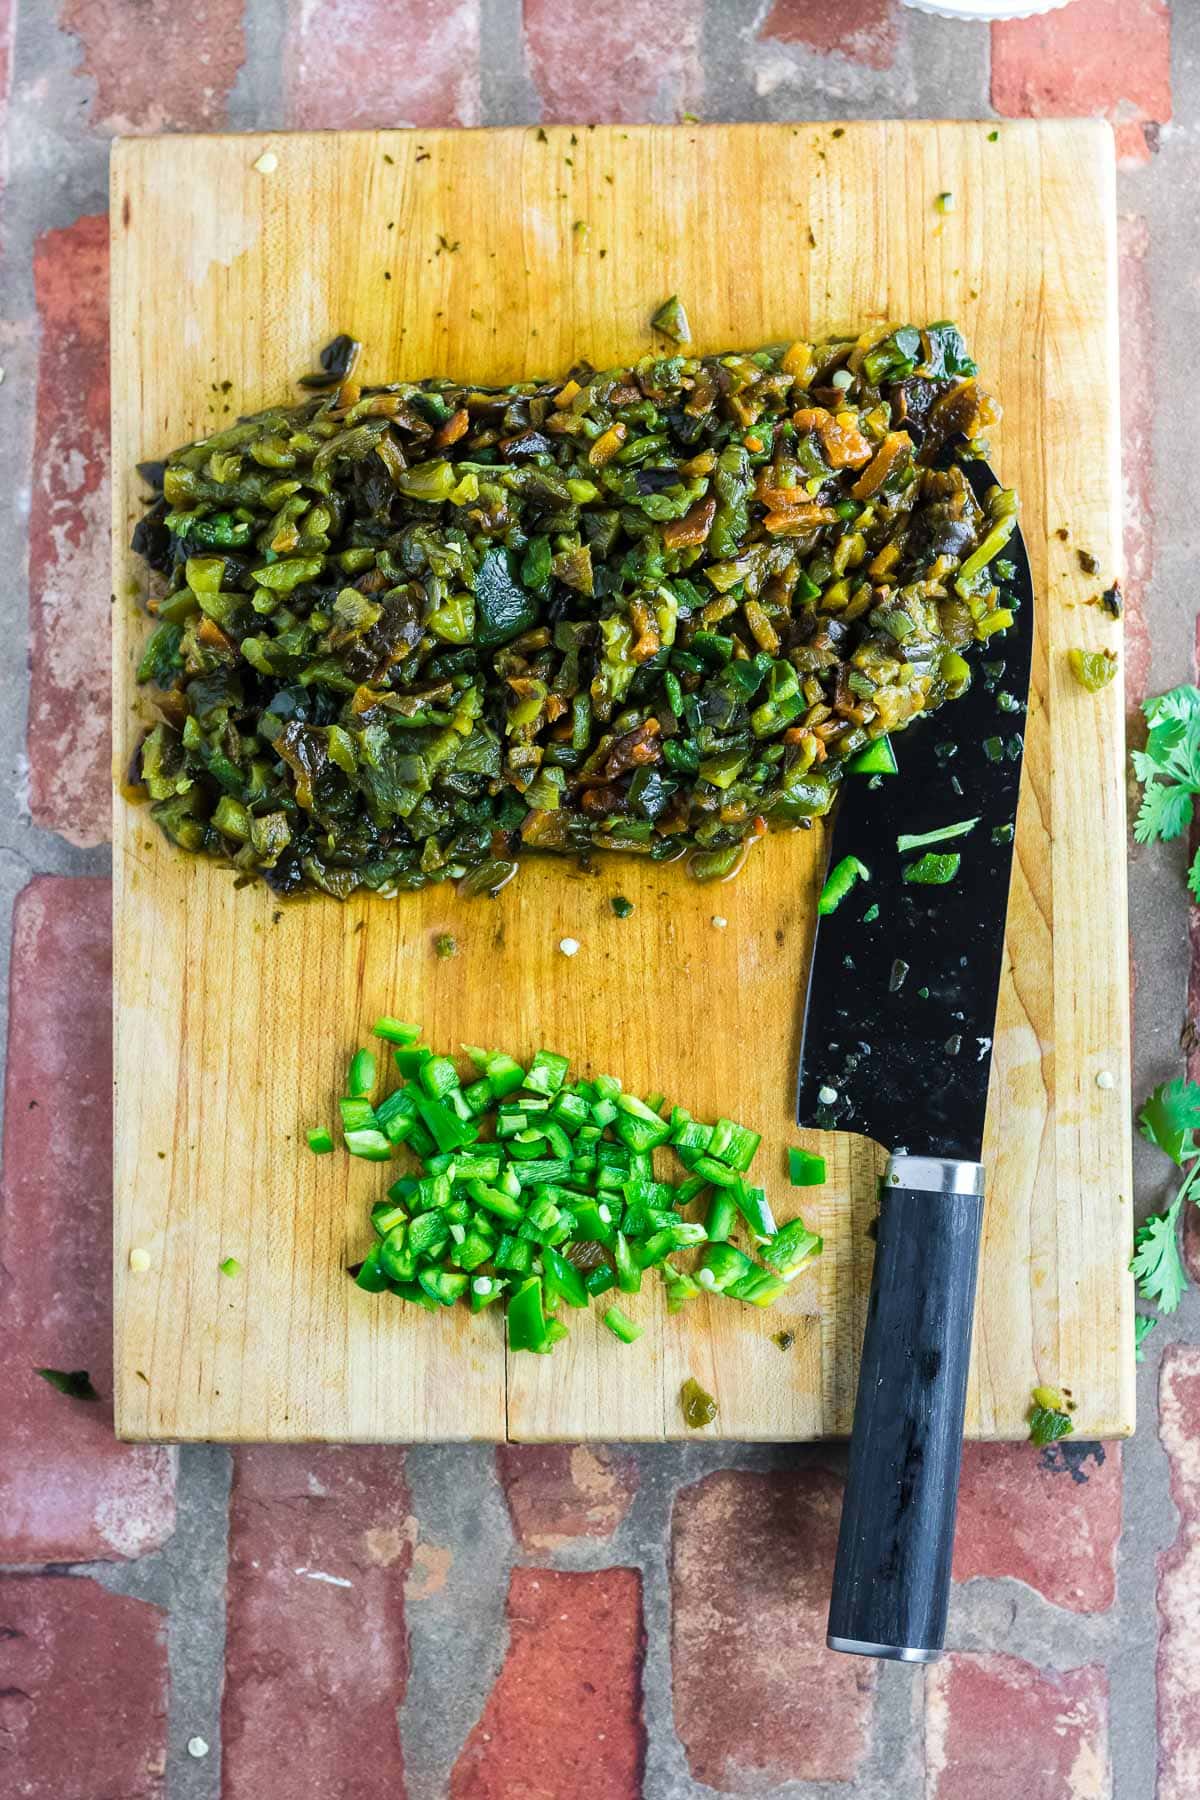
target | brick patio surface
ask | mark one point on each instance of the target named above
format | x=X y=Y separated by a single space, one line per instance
x=322 y=1623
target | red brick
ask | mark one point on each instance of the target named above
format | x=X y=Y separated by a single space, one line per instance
x=358 y=63
x=997 y=1727
x=320 y=1543
x=759 y=1701
x=83 y=1692
x=1051 y=1521
x=1105 y=57
x=1179 y=1580
x=1191 y=1217
x=863 y=30
x=157 y=66
x=557 y=1492
x=565 y=1716
x=69 y=535
x=68 y=1491
x=1139 y=373
x=591 y=69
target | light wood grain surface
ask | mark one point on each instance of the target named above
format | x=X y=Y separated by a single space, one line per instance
x=459 y=253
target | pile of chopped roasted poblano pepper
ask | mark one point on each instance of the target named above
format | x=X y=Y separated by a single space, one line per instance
x=410 y=631
x=542 y=1192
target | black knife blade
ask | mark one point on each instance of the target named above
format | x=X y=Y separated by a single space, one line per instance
x=902 y=988
x=897 y=1044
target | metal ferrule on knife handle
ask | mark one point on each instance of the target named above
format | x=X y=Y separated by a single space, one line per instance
x=892 y=1575
x=934 y=1174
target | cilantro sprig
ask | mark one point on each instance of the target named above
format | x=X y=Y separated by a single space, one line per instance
x=1169 y=770
x=1169 y=1120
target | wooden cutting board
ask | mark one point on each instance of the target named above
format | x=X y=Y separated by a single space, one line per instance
x=507 y=254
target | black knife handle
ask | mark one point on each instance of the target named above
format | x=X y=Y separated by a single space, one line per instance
x=891 y=1580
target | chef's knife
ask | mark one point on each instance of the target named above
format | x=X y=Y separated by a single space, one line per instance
x=897 y=1045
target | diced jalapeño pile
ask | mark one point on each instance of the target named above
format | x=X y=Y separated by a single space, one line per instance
x=410 y=631
x=541 y=1192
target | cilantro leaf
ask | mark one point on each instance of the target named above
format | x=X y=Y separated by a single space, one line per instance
x=1169 y=766
x=1143 y=1325
x=1157 y=1264
x=1179 y=704
x=1194 y=877
x=1169 y=1118
x=1165 y=812
x=1046 y=1425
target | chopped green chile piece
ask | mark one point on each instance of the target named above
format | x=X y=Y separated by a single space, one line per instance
x=933 y=870
x=447 y=1130
x=805 y=1168
x=503 y=1073
x=755 y=1208
x=369 y=1143
x=720 y=1265
x=356 y=1112
x=629 y=1274
x=361 y=1078
x=622 y=1326
x=717 y=1173
x=526 y=1318
x=369 y=1275
x=839 y=881
x=563 y=1203
x=562 y=1279
x=698 y=1407
x=876 y=758
x=546 y=1073
x=1092 y=669
x=320 y=1141
x=733 y=1144
x=722 y=1216
x=414 y=631
x=438 y=1076
x=443 y=1285
x=941 y=835
x=396 y=1031
x=758 y=1288
x=672 y=321
x=514 y=1253
x=791 y=1249
x=486 y=1290
x=680 y=1287
x=231 y=1266
x=386 y=1215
